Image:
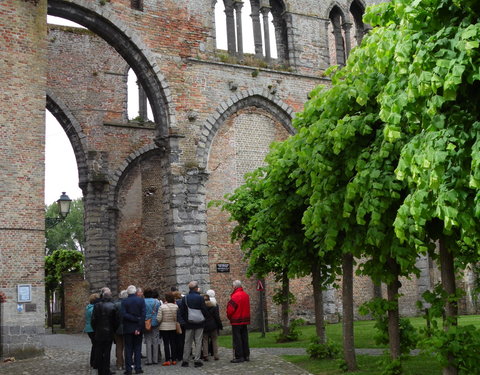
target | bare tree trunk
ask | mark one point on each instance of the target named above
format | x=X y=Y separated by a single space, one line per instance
x=318 y=301
x=285 y=304
x=447 y=270
x=393 y=314
x=347 y=302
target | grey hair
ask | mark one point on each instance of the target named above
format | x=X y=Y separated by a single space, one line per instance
x=123 y=294
x=131 y=289
x=193 y=285
x=237 y=284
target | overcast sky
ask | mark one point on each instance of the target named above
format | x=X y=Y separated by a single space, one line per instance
x=61 y=172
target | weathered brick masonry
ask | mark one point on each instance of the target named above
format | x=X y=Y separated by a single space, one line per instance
x=146 y=185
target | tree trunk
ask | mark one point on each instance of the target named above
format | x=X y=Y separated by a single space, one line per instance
x=347 y=302
x=447 y=270
x=393 y=314
x=285 y=304
x=318 y=301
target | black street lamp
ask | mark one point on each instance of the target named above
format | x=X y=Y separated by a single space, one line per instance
x=64 y=203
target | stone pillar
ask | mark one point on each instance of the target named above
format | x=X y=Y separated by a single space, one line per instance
x=238 y=15
x=98 y=259
x=257 y=30
x=231 y=43
x=187 y=238
x=142 y=103
x=266 y=31
x=23 y=69
x=348 y=44
x=327 y=47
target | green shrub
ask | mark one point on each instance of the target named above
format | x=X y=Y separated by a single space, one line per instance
x=317 y=350
x=294 y=331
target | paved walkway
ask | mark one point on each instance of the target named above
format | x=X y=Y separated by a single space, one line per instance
x=69 y=355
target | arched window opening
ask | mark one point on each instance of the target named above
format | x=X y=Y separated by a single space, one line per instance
x=260 y=34
x=357 y=10
x=336 y=37
x=138 y=106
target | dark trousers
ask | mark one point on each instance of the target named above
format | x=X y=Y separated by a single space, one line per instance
x=91 y=335
x=133 y=347
x=170 y=345
x=102 y=356
x=240 y=341
x=180 y=344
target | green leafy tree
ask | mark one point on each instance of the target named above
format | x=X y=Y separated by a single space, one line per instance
x=69 y=233
x=394 y=145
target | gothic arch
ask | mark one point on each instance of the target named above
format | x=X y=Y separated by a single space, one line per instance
x=74 y=133
x=127 y=164
x=258 y=98
x=105 y=24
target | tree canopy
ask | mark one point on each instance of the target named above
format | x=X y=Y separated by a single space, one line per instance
x=69 y=233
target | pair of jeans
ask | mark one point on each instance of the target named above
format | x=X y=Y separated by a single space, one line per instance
x=133 y=348
x=152 y=343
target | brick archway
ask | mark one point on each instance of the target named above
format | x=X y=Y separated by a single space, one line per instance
x=104 y=23
x=257 y=98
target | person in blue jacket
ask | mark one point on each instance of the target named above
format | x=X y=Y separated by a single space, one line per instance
x=133 y=318
x=193 y=330
x=88 y=326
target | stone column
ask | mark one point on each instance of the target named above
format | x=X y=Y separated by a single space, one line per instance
x=23 y=69
x=348 y=44
x=238 y=15
x=232 y=45
x=266 y=31
x=188 y=238
x=142 y=102
x=98 y=261
x=257 y=30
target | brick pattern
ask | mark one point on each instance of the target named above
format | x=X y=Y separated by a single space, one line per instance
x=22 y=140
x=76 y=293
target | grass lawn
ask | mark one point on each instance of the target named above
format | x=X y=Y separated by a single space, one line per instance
x=364 y=334
x=367 y=365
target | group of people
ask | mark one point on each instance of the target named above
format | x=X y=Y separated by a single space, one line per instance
x=188 y=325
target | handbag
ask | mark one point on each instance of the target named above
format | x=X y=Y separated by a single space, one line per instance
x=194 y=316
x=148 y=325
x=178 y=328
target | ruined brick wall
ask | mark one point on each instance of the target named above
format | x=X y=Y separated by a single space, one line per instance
x=76 y=293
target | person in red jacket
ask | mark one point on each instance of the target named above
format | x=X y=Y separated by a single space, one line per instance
x=238 y=312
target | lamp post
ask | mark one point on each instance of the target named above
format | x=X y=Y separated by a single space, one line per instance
x=64 y=203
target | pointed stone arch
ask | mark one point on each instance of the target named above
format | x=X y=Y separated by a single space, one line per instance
x=105 y=24
x=258 y=98
x=74 y=133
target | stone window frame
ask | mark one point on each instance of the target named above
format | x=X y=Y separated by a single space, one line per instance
x=341 y=22
x=260 y=12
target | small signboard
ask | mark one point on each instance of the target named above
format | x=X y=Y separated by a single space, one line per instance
x=260 y=287
x=24 y=293
x=223 y=267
